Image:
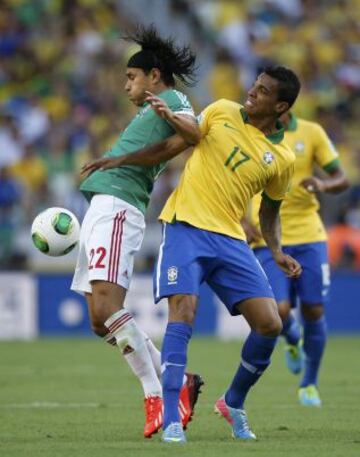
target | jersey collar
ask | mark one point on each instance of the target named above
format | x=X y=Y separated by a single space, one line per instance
x=169 y=89
x=293 y=123
x=275 y=137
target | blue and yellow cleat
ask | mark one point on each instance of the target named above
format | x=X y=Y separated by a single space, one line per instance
x=240 y=426
x=309 y=396
x=237 y=419
x=294 y=357
x=174 y=433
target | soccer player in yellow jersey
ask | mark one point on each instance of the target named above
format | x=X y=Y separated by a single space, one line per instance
x=304 y=238
x=241 y=153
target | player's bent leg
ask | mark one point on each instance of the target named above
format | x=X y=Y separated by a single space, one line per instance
x=107 y=311
x=173 y=361
x=96 y=324
x=264 y=320
x=314 y=346
x=262 y=315
x=294 y=355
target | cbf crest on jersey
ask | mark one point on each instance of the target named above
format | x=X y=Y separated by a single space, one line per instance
x=172 y=274
x=268 y=157
x=299 y=147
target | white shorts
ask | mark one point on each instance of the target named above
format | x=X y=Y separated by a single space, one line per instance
x=111 y=233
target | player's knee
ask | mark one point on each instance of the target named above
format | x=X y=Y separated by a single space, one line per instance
x=313 y=312
x=271 y=327
x=105 y=302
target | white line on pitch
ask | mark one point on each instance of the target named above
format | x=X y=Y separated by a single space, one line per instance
x=49 y=405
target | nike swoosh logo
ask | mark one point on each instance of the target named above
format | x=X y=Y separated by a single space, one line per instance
x=231 y=127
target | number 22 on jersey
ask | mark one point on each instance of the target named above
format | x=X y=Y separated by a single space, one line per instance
x=96 y=258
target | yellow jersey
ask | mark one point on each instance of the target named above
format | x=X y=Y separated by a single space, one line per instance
x=233 y=161
x=300 y=221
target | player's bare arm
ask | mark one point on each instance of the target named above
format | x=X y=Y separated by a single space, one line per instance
x=271 y=231
x=251 y=231
x=185 y=125
x=150 y=155
x=335 y=183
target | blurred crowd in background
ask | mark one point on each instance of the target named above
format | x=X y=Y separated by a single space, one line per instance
x=62 y=101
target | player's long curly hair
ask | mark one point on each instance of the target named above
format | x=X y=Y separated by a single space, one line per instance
x=156 y=52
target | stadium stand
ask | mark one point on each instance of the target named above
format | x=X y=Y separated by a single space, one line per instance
x=62 y=100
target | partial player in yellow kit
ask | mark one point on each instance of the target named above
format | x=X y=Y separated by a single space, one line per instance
x=304 y=238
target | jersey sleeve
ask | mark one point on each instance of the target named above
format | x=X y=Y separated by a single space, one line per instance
x=180 y=104
x=205 y=117
x=279 y=185
x=326 y=156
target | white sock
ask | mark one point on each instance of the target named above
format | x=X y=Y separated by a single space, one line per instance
x=154 y=353
x=132 y=344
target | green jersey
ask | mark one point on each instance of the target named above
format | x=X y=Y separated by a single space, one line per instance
x=131 y=183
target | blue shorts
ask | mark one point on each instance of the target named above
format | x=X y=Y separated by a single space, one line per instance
x=312 y=287
x=189 y=256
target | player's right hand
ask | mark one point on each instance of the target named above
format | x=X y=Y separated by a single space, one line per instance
x=289 y=266
x=159 y=106
x=101 y=164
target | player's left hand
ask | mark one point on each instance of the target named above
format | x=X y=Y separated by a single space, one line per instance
x=313 y=184
x=289 y=266
x=159 y=106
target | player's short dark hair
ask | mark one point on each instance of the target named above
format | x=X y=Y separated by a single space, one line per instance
x=156 y=52
x=289 y=84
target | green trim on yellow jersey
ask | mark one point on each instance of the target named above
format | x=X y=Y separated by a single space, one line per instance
x=293 y=123
x=273 y=203
x=332 y=166
x=275 y=137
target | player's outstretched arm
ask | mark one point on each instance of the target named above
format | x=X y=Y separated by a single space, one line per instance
x=186 y=126
x=146 y=157
x=271 y=231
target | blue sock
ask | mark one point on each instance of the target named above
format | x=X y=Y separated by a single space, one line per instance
x=314 y=345
x=173 y=363
x=291 y=330
x=255 y=357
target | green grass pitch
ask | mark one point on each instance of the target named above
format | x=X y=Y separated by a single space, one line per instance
x=78 y=398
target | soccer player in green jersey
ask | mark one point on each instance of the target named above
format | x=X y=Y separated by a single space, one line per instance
x=113 y=227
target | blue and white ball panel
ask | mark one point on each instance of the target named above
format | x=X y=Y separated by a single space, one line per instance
x=312 y=287
x=189 y=256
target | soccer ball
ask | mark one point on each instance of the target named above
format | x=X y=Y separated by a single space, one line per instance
x=55 y=231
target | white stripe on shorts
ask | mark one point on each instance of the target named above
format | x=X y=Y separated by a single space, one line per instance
x=115 y=247
x=158 y=266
